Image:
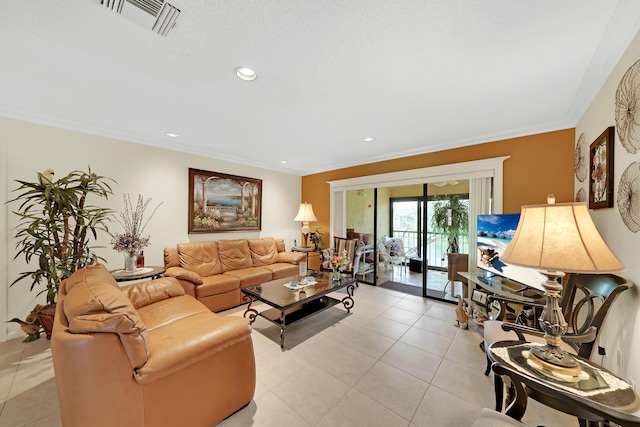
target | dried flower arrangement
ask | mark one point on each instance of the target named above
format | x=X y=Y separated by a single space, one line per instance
x=132 y=220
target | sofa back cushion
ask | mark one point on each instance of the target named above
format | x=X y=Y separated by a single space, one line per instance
x=201 y=258
x=263 y=251
x=93 y=303
x=280 y=245
x=171 y=258
x=234 y=254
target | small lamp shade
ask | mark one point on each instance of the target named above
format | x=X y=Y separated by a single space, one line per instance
x=305 y=215
x=560 y=237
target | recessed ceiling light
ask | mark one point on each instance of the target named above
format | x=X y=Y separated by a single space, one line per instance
x=283 y=161
x=244 y=73
x=172 y=135
x=368 y=139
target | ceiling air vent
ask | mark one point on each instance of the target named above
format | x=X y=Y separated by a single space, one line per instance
x=156 y=15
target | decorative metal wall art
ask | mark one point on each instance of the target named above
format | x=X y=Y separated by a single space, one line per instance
x=601 y=170
x=629 y=197
x=580 y=160
x=628 y=109
x=220 y=202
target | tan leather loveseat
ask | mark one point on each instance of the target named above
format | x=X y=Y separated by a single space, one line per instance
x=214 y=271
x=146 y=355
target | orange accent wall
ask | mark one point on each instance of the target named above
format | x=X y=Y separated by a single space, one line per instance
x=539 y=164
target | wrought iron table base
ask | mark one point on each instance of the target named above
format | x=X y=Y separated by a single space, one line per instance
x=306 y=308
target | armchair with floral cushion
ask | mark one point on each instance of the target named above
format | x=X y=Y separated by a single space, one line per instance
x=341 y=247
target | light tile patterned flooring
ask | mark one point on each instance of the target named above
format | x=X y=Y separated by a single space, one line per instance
x=395 y=360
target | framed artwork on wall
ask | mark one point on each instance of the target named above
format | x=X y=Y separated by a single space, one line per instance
x=601 y=170
x=220 y=202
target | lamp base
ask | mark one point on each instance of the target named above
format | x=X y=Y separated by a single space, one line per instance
x=555 y=363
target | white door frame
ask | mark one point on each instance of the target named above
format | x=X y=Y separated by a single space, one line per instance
x=492 y=168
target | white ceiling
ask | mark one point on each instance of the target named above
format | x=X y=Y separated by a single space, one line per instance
x=418 y=75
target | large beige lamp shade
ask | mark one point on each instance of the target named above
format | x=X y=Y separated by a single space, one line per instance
x=305 y=215
x=558 y=238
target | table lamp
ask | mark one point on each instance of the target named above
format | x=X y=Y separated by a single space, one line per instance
x=558 y=238
x=305 y=215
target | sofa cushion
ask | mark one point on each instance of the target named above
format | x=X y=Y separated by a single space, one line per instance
x=94 y=303
x=234 y=255
x=281 y=269
x=218 y=284
x=171 y=257
x=250 y=276
x=280 y=245
x=170 y=311
x=201 y=258
x=179 y=344
x=263 y=251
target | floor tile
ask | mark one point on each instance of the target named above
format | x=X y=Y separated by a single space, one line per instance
x=413 y=306
x=266 y=411
x=311 y=393
x=367 y=342
x=443 y=409
x=414 y=361
x=467 y=383
x=401 y=316
x=357 y=410
x=466 y=354
x=346 y=364
x=428 y=341
x=392 y=388
x=437 y=326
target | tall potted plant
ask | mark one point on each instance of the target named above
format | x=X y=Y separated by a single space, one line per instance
x=57 y=226
x=451 y=216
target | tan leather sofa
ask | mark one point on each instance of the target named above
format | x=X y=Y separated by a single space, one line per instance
x=215 y=271
x=146 y=355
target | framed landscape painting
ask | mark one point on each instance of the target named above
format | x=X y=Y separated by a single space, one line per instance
x=220 y=202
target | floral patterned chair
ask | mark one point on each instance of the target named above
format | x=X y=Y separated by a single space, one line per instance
x=340 y=245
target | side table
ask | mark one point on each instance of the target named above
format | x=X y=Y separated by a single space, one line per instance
x=150 y=272
x=305 y=249
x=600 y=397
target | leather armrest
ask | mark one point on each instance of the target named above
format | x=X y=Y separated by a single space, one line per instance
x=291 y=257
x=145 y=293
x=183 y=274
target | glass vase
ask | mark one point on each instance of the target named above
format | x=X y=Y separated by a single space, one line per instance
x=336 y=274
x=130 y=262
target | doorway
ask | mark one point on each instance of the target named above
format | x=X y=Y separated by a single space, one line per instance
x=483 y=177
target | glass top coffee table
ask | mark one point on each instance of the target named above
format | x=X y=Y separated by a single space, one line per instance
x=295 y=302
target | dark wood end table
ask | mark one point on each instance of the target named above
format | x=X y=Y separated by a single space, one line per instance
x=598 y=398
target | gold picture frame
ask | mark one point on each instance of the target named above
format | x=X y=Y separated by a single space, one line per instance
x=221 y=202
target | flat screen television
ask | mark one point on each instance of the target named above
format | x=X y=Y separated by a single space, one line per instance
x=494 y=235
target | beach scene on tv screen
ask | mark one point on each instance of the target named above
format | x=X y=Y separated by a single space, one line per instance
x=494 y=235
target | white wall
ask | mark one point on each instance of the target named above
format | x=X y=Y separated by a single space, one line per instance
x=138 y=169
x=622 y=327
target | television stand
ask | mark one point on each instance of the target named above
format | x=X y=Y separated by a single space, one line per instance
x=483 y=285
